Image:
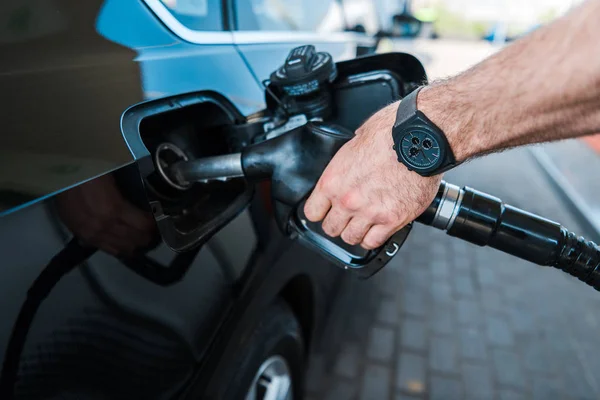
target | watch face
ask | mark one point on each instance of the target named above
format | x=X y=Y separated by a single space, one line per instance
x=420 y=148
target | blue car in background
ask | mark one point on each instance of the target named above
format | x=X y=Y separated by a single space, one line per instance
x=92 y=302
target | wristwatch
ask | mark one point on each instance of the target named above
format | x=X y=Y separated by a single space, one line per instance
x=420 y=145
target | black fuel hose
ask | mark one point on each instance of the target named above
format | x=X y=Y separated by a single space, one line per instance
x=487 y=221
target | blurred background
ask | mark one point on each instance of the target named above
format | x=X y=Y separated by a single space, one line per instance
x=449 y=320
x=494 y=20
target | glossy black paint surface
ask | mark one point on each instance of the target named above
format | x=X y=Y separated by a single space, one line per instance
x=68 y=72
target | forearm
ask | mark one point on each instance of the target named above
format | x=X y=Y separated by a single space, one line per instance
x=543 y=87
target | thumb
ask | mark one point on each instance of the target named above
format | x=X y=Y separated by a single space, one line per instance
x=317 y=206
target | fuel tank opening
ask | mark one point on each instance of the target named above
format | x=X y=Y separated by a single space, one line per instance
x=167 y=155
x=184 y=134
x=185 y=128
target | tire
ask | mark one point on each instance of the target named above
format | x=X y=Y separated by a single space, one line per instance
x=277 y=337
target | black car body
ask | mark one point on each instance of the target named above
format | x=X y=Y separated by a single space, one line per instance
x=69 y=71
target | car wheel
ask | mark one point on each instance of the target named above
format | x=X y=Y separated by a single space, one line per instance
x=271 y=362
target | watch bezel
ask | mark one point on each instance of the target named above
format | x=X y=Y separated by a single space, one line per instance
x=419 y=121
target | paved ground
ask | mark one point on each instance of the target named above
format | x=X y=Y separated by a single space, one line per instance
x=574 y=161
x=449 y=320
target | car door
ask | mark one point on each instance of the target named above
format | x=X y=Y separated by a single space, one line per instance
x=71 y=69
x=265 y=30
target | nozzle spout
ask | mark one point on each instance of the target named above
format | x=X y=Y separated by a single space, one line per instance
x=208 y=168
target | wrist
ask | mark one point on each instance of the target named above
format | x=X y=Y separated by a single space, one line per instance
x=453 y=114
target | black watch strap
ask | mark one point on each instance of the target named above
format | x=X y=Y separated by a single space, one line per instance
x=408 y=115
x=407 y=107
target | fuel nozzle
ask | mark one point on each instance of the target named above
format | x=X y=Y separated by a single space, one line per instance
x=293 y=161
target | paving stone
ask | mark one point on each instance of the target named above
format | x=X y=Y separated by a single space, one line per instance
x=360 y=324
x=472 y=344
x=440 y=269
x=414 y=302
x=463 y=285
x=389 y=283
x=381 y=343
x=417 y=277
x=442 y=388
x=513 y=292
x=413 y=334
x=492 y=300
x=348 y=361
x=341 y=389
x=522 y=320
x=376 y=384
x=507 y=394
x=438 y=248
x=508 y=369
x=462 y=264
x=388 y=312
x=461 y=250
x=535 y=357
x=441 y=321
x=443 y=354
x=410 y=373
x=486 y=276
x=477 y=381
x=498 y=331
x=468 y=312
x=441 y=293
x=403 y=396
x=580 y=384
x=588 y=358
x=547 y=388
x=558 y=359
x=559 y=343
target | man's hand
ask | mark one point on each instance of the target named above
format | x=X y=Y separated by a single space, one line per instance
x=366 y=195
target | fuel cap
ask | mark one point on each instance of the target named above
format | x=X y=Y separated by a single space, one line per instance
x=304 y=71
